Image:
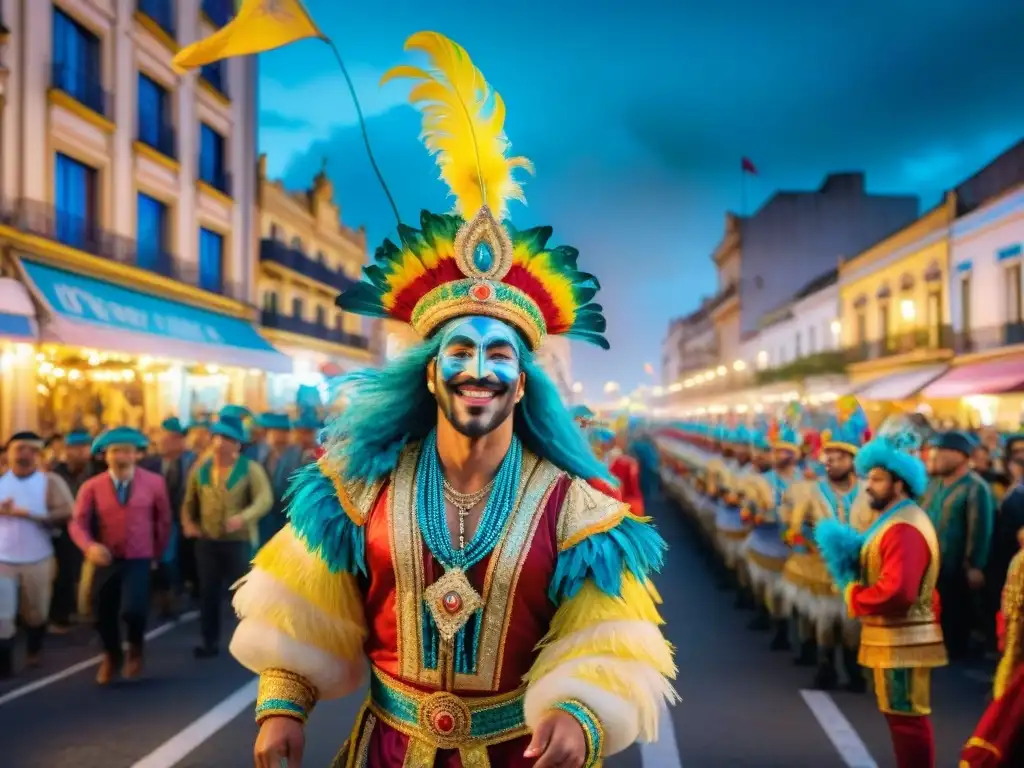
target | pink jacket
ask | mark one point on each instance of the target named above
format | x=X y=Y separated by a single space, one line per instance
x=139 y=529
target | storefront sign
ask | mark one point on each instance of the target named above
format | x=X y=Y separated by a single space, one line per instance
x=82 y=298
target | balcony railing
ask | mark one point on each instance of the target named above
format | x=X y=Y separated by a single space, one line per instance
x=219 y=180
x=216 y=75
x=162 y=138
x=939 y=337
x=271 y=319
x=989 y=338
x=83 y=86
x=831 y=362
x=162 y=12
x=43 y=220
x=219 y=11
x=297 y=261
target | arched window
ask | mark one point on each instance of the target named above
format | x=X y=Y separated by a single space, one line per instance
x=321 y=257
x=270 y=302
x=297 y=244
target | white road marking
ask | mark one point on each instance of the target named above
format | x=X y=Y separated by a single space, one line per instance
x=844 y=738
x=74 y=669
x=181 y=745
x=663 y=753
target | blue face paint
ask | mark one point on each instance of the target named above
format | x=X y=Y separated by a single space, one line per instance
x=478 y=348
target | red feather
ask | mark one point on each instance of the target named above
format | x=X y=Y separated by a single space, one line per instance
x=521 y=278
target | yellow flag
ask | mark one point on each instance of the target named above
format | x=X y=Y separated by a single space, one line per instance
x=260 y=25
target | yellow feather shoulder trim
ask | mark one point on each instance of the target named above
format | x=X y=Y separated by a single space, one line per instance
x=463 y=126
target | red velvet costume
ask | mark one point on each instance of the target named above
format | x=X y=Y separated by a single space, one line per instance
x=626 y=470
x=901 y=641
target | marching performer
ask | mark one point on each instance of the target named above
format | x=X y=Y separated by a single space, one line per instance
x=888 y=577
x=445 y=535
x=765 y=551
x=723 y=493
x=998 y=741
x=806 y=583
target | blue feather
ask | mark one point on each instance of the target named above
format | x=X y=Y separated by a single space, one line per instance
x=840 y=546
x=318 y=519
x=632 y=545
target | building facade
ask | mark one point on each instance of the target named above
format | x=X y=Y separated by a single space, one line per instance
x=307 y=257
x=895 y=309
x=126 y=209
x=796 y=236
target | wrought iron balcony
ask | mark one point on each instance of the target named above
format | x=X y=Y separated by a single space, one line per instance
x=83 y=86
x=44 y=220
x=297 y=261
x=939 y=337
x=271 y=319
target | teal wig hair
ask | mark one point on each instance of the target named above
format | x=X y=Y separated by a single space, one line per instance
x=391 y=406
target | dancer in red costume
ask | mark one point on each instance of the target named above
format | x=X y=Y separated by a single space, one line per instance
x=624 y=468
x=887 y=576
x=998 y=741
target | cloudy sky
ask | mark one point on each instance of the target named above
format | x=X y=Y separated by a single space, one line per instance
x=636 y=118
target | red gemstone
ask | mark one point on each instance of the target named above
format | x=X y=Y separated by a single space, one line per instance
x=444 y=722
x=481 y=291
x=452 y=602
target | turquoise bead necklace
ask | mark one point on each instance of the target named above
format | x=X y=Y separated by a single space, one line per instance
x=433 y=520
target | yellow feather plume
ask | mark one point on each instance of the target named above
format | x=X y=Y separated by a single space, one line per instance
x=463 y=126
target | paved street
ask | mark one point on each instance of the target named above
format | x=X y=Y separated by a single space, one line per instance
x=742 y=705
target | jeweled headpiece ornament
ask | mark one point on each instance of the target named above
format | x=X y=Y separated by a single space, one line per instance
x=468 y=262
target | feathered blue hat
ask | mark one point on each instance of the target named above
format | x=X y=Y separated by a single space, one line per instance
x=308 y=420
x=783 y=437
x=231 y=428
x=848 y=427
x=892 y=452
x=76 y=438
x=236 y=412
x=274 y=421
x=741 y=435
x=119 y=436
x=759 y=440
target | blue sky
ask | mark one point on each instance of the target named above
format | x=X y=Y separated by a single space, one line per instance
x=636 y=118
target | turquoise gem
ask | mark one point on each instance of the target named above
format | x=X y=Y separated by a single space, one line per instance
x=483 y=257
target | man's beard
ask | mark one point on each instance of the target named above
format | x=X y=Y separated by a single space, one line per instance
x=839 y=475
x=475 y=420
x=878 y=503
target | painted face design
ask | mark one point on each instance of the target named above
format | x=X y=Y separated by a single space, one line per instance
x=477 y=374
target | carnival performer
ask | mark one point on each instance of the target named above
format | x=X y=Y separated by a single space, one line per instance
x=765 y=551
x=962 y=509
x=624 y=469
x=887 y=576
x=446 y=533
x=806 y=584
x=723 y=495
x=122 y=524
x=998 y=741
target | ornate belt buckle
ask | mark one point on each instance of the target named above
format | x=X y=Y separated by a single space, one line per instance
x=446 y=717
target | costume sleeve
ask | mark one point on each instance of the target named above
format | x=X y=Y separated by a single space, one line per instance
x=80 y=527
x=604 y=658
x=981 y=517
x=905 y=558
x=999 y=731
x=634 y=494
x=302 y=624
x=262 y=494
x=1013 y=619
x=190 y=512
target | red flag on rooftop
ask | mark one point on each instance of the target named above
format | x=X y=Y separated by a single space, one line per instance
x=747 y=166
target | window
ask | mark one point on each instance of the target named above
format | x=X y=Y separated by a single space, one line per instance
x=160 y=11
x=797 y=352
x=211 y=159
x=811 y=341
x=1014 y=308
x=215 y=75
x=211 y=261
x=270 y=302
x=76 y=202
x=884 y=327
x=297 y=308
x=297 y=245
x=77 y=62
x=862 y=327
x=153 y=231
x=321 y=317
x=965 y=303
x=339 y=321
x=155 y=116
x=219 y=11
x=934 y=311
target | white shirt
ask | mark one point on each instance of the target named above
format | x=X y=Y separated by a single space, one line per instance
x=24 y=541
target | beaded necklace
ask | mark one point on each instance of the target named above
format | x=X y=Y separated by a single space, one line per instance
x=430 y=507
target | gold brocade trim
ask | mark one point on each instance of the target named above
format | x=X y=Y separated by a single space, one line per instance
x=537 y=477
x=442 y=310
x=917 y=688
x=974 y=741
x=586 y=511
x=897 y=656
x=838 y=445
x=807 y=571
x=418 y=754
x=1013 y=616
x=774 y=564
x=356 y=497
x=280 y=685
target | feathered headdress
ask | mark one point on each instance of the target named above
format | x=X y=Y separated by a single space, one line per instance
x=849 y=427
x=466 y=262
x=783 y=435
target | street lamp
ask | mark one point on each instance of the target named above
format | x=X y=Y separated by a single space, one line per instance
x=907 y=310
x=739 y=365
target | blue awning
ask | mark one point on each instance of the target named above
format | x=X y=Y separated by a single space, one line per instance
x=98 y=315
x=17 y=314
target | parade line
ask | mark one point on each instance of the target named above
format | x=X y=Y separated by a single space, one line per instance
x=74 y=669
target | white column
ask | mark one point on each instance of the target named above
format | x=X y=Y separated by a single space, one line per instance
x=36 y=167
x=18 y=409
x=123 y=87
